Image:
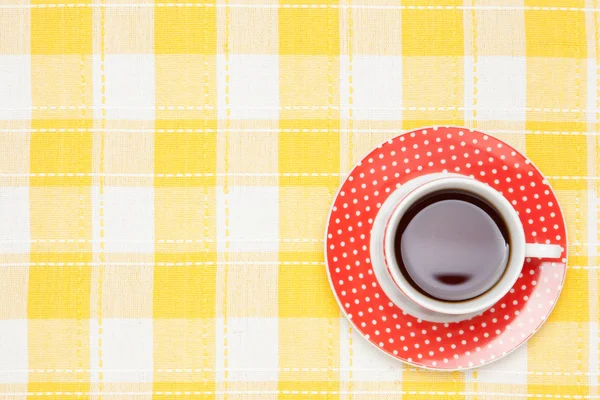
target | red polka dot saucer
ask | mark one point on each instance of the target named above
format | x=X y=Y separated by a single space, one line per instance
x=362 y=285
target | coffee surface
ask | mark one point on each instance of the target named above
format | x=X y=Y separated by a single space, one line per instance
x=452 y=246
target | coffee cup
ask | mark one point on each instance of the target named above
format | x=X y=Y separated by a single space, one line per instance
x=454 y=245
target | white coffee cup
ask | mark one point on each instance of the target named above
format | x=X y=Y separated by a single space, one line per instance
x=519 y=249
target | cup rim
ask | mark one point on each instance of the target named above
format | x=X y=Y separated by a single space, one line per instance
x=516 y=239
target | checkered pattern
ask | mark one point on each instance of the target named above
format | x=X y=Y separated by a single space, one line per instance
x=166 y=170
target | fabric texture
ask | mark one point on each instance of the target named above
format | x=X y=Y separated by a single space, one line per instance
x=166 y=171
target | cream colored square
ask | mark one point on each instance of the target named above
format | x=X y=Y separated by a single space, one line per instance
x=14 y=31
x=262 y=390
x=201 y=387
x=434 y=86
x=185 y=153
x=57 y=3
x=186 y=86
x=14 y=281
x=14 y=136
x=191 y=350
x=61 y=86
x=302 y=215
x=252 y=285
x=517 y=390
x=511 y=132
x=574 y=205
x=417 y=383
x=386 y=390
x=253 y=30
x=185 y=213
x=59 y=344
x=364 y=136
x=568 y=343
x=252 y=149
x=13 y=387
x=328 y=386
x=142 y=390
x=383 y=38
x=127 y=289
x=69 y=386
x=67 y=230
x=489 y=22
x=312 y=344
x=128 y=153
x=49 y=224
x=556 y=89
x=309 y=87
x=129 y=30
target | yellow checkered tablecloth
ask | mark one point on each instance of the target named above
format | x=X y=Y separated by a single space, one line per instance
x=166 y=170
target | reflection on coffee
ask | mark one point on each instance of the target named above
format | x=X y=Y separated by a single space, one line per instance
x=452 y=246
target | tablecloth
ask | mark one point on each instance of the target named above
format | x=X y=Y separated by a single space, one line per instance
x=166 y=170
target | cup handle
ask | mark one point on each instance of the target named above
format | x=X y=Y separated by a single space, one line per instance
x=536 y=250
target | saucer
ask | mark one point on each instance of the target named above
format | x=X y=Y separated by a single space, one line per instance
x=377 y=309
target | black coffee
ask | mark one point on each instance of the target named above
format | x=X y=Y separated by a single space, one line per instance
x=452 y=246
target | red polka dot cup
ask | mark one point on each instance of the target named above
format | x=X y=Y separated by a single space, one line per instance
x=411 y=238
